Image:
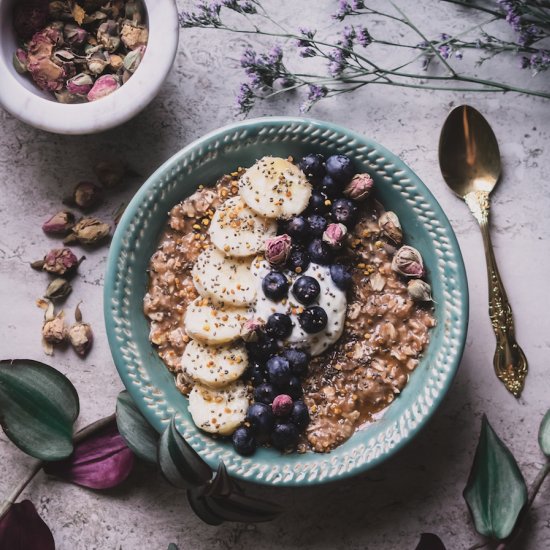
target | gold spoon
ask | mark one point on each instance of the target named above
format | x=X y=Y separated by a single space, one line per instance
x=470 y=163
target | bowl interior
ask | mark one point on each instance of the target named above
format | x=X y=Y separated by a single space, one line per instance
x=397 y=187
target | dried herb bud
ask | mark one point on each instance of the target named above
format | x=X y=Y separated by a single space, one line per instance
x=54 y=330
x=251 y=329
x=277 y=250
x=104 y=86
x=60 y=261
x=29 y=16
x=359 y=187
x=335 y=234
x=110 y=173
x=81 y=338
x=64 y=96
x=408 y=262
x=58 y=290
x=59 y=9
x=391 y=227
x=116 y=62
x=46 y=74
x=59 y=224
x=80 y=84
x=134 y=36
x=20 y=61
x=88 y=231
x=133 y=10
x=133 y=59
x=98 y=61
x=86 y=195
x=108 y=35
x=75 y=35
x=420 y=291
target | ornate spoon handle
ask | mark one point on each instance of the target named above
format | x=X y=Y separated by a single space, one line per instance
x=509 y=361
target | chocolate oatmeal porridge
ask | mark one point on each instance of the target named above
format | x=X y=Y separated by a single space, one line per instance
x=286 y=305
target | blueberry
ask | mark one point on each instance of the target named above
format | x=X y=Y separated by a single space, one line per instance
x=313 y=166
x=340 y=276
x=244 y=441
x=263 y=349
x=319 y=252
x=275 y=286
x=256 y=374
x=278 y=370
x=298 y=360
x=284 y=436
x=317 y=224
x=306 y=289
x=316 y=203
x=344 y=211
x=264 y=393
x=330 y=187
x=300 y=414
x=298 y=227
x=294 y=388
x=278 y=326
x=260 y=418
x=313 y=319
x=298 y=260
x=340 y=168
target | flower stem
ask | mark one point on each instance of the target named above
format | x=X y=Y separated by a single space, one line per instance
x=36 y=465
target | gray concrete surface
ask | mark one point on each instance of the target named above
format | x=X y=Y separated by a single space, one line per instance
x=420 y=489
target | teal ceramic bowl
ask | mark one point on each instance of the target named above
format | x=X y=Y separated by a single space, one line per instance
x=425 y=227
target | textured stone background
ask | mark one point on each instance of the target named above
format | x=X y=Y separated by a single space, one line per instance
x=418 y=490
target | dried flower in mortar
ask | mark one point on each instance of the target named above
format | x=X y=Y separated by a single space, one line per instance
x=80 y=84
x=75 y=35
x=54 y=330
x=108 y=35
x=116 y=62
x=133 y=59
x=104 y=86
x=419 y=290
x=334 y=234
x=86 y=195
x=134 y=36
x=64 y=96
x=277 y=250
x=45 y=72
x=60 y=261
x=59 y=224
x=80 y=334
x=58 y=290
x=133 y=11
x=408 y=262
x=98 y=61
x=390 y=226
x=29 y=16
x=251 y=329
x=359 y=187
x=59 y=9
x=88 y=231
x=110 y=173
x=20 y=61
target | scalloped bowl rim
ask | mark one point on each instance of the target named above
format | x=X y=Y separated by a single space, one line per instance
x=137 y=361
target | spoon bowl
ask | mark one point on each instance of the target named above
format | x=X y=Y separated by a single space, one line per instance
x=468 y=152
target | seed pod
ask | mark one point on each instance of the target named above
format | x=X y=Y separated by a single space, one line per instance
x=419 y=291
x=390 y=226
x=408 y=262
x=58 y=290
x=88 y=231
x=59 y=224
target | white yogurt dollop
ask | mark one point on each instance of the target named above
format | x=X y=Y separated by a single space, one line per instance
x=331 y=299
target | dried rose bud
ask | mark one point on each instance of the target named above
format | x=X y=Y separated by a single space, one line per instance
x=54 y=32
x=110 y=173
x=104 y=86
x=250 y=330
x=75 y=35
x=134 y=36
x=116 y=62
x=20 y=61
x=282 y=405
x=133 y=11
x=108 y=35
x=80 y=84
x=60 y=261
x=86 y=195
x=419 y=291
x=46 y=74
x=66 y=97
x=391 y=227
x=63 y=57
x=88 y=231
x=81 y=338
x=335 y=234
x=359 y=187
x=59 y=224
x=408 y=262
x=29 y=16
x=133 y=59
x=58 y=290
x=277 y=250
x=98 y=62
x=54 y=330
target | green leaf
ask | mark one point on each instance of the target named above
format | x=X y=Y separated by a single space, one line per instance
x=544 y=434
x=138 y=434
x=38 y=406
x=496 y=491
x=172 y=546
x=179 y=462
x=242 y=508
x=199 y=505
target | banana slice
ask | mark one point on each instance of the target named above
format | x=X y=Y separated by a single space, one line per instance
x=214 y=367
x=223 y=280
x=237 y=230
x=218 y=411
x=275 y=188
x=213 y=325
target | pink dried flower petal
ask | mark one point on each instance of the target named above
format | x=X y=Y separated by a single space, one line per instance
x=277 y=250
x=104 y=86
x=359 y=187
x=335 y=234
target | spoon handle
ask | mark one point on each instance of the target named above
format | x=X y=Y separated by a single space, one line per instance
x=509 y=361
